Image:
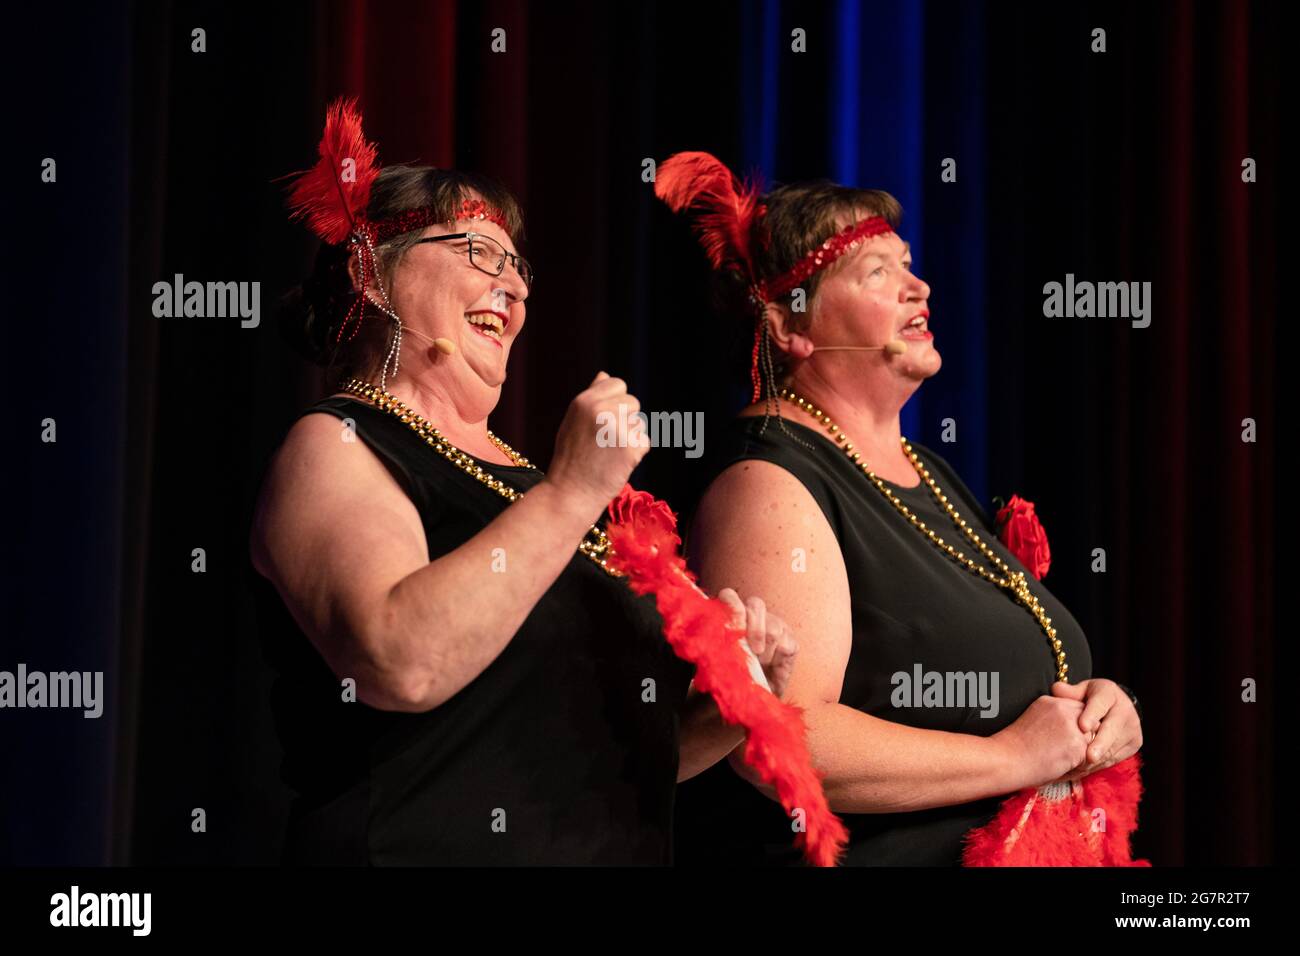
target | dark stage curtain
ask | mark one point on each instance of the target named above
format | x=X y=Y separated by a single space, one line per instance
x=1116 y=166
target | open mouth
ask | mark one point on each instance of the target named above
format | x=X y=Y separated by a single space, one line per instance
x=918 y=328
x=488 y=324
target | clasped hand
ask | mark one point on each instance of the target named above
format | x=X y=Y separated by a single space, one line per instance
x=1109 y=721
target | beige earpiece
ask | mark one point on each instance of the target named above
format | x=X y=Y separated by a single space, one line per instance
x=445 y=346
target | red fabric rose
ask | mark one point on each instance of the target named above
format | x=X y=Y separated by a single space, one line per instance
x=1023 y=535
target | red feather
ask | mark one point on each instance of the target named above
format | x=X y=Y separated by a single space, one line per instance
x=333 y=194
x=643 y=536
x=700 y=182
x=1030 y=831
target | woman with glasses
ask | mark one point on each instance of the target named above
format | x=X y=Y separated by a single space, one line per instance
x=460 y=678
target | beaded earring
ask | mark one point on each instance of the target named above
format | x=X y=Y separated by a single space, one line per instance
x=766 y=376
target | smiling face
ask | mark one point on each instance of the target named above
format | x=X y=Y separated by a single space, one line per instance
x=439 y=291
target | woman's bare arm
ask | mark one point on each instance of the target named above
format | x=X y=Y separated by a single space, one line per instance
x=750 y=521
x=344 y=546
x=705 y=737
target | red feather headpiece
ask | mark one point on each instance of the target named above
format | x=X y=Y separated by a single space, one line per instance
x=333 y=195
x=727 y=208
x=729 y=220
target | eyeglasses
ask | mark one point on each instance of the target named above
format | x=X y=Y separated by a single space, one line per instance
x=488 y=255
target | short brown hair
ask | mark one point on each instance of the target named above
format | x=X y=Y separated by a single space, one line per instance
x=311 y=314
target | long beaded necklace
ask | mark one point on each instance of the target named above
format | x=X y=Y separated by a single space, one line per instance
x=595 y=544
x=1013 y=581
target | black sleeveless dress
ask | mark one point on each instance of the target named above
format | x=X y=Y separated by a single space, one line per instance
x=553 y=755
x=912 y=606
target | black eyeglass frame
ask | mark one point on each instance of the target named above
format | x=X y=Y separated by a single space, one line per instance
x=514 y=259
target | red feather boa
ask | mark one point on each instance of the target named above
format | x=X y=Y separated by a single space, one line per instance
x=644 y=543
x=1030 y=830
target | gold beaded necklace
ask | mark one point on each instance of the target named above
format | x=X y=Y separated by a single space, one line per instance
x=1013 y=581
x=595 y=544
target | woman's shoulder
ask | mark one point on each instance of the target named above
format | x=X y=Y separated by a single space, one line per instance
x=314 y=435
x=753 y=459
x=320 y=457
x=756 y=438
x=352 y=422
x=754 y=433
x=321 y=476
x=339 y=404
x=323 y=416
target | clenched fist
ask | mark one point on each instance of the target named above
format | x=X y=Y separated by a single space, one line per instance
x=590 y=471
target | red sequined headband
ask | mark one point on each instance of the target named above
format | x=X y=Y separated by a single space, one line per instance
x=729 y=218
x=843 y=242
x=382 y=230
x=332 y=197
